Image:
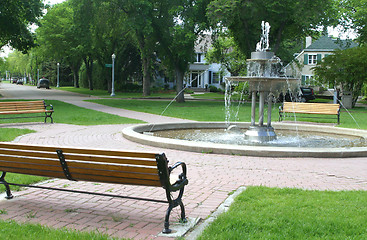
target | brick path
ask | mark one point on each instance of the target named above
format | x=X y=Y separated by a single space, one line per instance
x=211 y=178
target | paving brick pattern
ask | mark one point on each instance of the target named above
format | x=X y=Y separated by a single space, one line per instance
x=211 y=178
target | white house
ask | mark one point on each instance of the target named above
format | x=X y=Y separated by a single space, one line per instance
x=201 y=75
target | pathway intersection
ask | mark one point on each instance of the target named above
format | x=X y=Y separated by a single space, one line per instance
x=212 y=177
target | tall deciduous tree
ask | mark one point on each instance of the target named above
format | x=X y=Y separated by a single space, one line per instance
x=184 y=20
x=355 y=17
x=58 y=37
x=289 y=19
x=15 y=18
x=83 y=20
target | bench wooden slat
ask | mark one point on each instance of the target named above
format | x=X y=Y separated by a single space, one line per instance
x=30 y=166
x=107 y=179
x=85 y=151
x=35 y=172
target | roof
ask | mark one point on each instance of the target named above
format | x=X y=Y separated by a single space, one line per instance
x=326 y=43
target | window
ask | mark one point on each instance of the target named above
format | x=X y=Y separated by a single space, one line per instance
x=216 y=78
x=308 y=80
x=312 y=59
x=198 y=57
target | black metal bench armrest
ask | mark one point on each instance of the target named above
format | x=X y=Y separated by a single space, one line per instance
x=50 y=107
x=182 y=179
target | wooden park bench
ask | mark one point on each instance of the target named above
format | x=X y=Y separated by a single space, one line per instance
x=26 y=107
x=308 y=108
x=104 y=166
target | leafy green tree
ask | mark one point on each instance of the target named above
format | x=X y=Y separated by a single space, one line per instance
x=83 y=22
x=15 y=18
x=225 y=51
x=355 y=17
x=184 y=21
x=58 y=38
x=289 y=19
x=346 y=68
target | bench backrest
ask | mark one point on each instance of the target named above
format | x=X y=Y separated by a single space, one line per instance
x=110 y=166
x=21 y=106
x=313 y=108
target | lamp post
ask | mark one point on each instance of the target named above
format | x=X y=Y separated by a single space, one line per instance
x=113 y=75
x=58 y=75
x=38 y=75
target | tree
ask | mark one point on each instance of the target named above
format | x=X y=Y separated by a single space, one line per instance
x=184 y=21
x=15 y=18
x=226 y=52
x=355 y=17
x=289 y=19
x=346 y=68
x=58 y=38
x=83 y=21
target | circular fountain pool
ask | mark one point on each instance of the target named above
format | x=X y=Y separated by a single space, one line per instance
x=294 y=140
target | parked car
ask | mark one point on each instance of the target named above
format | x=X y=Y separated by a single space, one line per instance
x=20 y=81
x=14 y=80
x=43 y=83
x=304 y=95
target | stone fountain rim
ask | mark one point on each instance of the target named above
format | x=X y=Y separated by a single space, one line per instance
x=135 y=134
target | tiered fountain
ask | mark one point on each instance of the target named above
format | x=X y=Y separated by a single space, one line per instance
x=265 y=78
x=294 y=140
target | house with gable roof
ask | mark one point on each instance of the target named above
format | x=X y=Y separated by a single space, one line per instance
x=313 y=53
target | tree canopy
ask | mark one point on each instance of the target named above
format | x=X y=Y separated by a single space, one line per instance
x=16 y=16
x=289 y=19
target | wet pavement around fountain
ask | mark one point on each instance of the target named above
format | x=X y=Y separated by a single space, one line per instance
x=212 y=177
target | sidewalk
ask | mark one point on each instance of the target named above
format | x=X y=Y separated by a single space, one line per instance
x=211 y=177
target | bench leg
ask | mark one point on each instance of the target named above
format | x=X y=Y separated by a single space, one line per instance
x=2 y=181
x=49 y=116
x=173 y=204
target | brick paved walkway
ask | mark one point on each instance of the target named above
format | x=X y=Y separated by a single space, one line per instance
x=211 y=178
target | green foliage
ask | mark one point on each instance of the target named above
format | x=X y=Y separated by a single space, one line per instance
x=345 y=68
x=355 y=16
x=289 y=19
x=15 y=18
x=226 y=52
x=271 y=213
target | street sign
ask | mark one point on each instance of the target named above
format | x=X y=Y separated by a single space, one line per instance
x=108 y=65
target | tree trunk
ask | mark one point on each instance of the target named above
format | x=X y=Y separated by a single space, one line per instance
x=75 y=76
x=146 y=76
x=179 y=85
x=89 y=67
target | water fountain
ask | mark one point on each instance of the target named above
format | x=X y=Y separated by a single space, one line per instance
x=265 y=78
x=256 y=139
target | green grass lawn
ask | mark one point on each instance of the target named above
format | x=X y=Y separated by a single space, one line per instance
x=71 y=114
x=273 y=213
x=12 y=230
x=9 y=134
x=215 y=111
x=105 y=94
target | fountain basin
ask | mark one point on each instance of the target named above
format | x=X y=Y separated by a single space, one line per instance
x=138 y=134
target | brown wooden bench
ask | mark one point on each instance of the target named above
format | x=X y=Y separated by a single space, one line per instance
x=308 y=108
x=96 y=165
x=26 y=107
